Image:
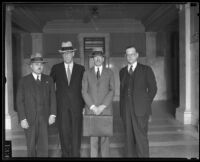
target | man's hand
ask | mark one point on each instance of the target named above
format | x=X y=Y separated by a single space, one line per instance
x=100 y=109
x=83 y=111
x=52 y=119
x=94 y=109
x=150 y=118
x=24 y=124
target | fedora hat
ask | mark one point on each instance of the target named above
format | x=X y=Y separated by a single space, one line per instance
x=97 y=51
x=37 y=57
x=66 y=46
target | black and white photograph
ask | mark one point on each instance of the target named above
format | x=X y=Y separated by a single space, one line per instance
x=100 y=80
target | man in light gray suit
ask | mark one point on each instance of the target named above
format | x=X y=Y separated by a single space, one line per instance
x=98 y=90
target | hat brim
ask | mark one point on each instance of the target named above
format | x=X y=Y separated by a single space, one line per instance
x=97 y=54
x=63 y=51
x=44 y=62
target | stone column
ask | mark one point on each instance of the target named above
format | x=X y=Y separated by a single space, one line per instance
x=151 y=44
x=184 y=112
x=9 y=110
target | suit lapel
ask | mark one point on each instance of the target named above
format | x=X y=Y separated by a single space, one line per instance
x=63 y=73
x=124 y=75
x=32 y=85
x=136 y=72
x=92 y=71
x=74 y=71
x=103 y=73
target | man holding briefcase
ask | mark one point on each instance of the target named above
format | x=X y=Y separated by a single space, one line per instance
x=98 y=90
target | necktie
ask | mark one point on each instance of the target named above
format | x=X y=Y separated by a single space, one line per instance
x=130 y=70
x=68 y=74
x=38 y=79
x=98 y=73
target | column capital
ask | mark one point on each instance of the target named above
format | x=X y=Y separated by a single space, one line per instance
x=36 y=35
x=9 y=8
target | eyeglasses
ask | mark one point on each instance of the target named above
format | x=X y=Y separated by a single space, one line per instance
x=131 y=55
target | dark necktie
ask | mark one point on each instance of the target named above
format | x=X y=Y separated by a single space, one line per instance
x=38 y=80
x=130 y=70
x=98 y=73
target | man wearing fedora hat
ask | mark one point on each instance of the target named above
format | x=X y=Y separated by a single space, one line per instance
x=137 y=91
x=67 y=76
x=98 y=88
x=36 y=105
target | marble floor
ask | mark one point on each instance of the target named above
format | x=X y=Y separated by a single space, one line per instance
x=167 y=137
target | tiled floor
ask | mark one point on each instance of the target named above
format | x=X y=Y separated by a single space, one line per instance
x=167 y=137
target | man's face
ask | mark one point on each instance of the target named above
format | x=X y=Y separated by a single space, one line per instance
x=98 y=60
x=37 y=67
x=68 y=56
x=131 y=55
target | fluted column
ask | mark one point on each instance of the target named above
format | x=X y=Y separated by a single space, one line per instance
x=187 y=79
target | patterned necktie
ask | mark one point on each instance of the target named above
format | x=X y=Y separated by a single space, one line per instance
x=98 y=73
x=130 y=70
x=68 y=74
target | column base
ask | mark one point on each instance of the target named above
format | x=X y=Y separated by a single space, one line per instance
x=8 y=122
x=11 y=122
x=183 y=116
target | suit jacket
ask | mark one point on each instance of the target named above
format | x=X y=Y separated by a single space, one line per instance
x=143 y=92
x=68 y=96
x=26 y=98
x=98 y=92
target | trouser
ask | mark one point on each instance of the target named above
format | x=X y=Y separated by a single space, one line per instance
x=70 y=131
x=99 y=144
x=136 y=127
x=37 y=138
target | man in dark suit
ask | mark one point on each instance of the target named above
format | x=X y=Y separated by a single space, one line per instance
x=98 y=88
x=137 y=90
x=67 y=76
x=36 y=103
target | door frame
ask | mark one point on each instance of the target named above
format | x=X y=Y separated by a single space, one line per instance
x=81 y=37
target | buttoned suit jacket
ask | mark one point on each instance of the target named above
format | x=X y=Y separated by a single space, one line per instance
x=68 y=95
x=26 y=98
x=143 y=92
x=98 y=91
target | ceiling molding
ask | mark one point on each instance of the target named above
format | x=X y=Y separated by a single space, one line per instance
x=26 y=20
x=158 y=14
x=163 y=19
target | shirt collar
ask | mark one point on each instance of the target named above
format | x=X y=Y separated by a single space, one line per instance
x=133 y=66
x=100 y=68
x=70 y=65
x=35 y=76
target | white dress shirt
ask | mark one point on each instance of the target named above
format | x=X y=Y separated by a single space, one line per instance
x=100 y=69
x=70 y=66
x=133 y=66
x=35 y=76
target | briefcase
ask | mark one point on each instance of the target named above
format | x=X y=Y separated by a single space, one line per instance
x=97 y=125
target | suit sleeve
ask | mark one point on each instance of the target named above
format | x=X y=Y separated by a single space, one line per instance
x=151 y=83
x=21 y=101
x=52 y=98
x=84 y=91
x=53 y=73
x=109 y=97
